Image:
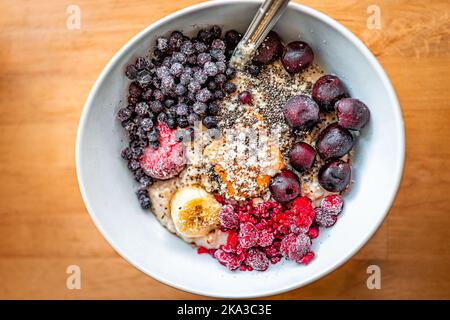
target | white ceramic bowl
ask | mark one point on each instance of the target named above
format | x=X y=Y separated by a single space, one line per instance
x=108 y=188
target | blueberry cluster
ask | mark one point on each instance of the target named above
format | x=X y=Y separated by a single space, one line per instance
x=180 y=85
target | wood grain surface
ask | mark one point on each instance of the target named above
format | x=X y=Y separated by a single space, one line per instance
x=46 y=72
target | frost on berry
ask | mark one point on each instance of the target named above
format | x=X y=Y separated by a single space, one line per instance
x=295 y=247
x=248 y=235
x=332 y=204
x=228 y=217
x=265 y=238
x=324 y=218
x=273 y=251
x=229 y=260
x=303 y=213
x=257 y=260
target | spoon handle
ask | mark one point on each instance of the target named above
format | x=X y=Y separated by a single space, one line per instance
x=266 y=17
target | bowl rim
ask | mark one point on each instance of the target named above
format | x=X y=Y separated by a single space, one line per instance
x=292 y=6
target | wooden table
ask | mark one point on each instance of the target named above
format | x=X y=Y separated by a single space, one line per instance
x=46 y=72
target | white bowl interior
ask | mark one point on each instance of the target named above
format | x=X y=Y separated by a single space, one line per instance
x=108 y=187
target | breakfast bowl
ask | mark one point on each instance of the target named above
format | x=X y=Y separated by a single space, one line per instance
x=138 y=237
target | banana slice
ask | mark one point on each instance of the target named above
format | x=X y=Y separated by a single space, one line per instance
x=194 y=211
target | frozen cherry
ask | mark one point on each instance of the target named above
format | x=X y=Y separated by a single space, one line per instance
x=297 y=56
x=270 y=49
x=285 y=186
x=334 y=142
x=245 y=97
x=335 y=176
x=302 y=156
x=352 y=113
x=327 y=91
x=301 y=112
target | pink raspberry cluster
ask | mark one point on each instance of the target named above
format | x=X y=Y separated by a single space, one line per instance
x=261 y=234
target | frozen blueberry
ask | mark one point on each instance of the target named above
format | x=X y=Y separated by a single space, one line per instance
x=191 y=59
x=142 y=63
x=178 y=57
x=217 y=55
x=229 y=87
x=176 y=69
x=162 y=117
x=167 y=84
x=126 y=153
x=175 y=40
x=199 y=108
x=162 y=72
x=187 y=48
x=210 y=68
x=202 y=58
x=218 y=44
x=144 y=78
x=156 y=106
x=185 y=78
x=230 y=72
x=253 y=69
x=144 y=200
x=220 y=79
x=145 y=181
x=147 y=94
x=182 y=109
x=215 y=31
x=204 y=95
x=213 y=108
x=133 y=165
x=221 y=66
x=158 y=95
x=200 y=47
x=142 y=108
x=193 y=118
x=200 y=76
x=124 y=114
x=194 y=86
x=134 y=90
x=131 y=72
x=162 y=44
x=232 y=38
x=204 y=36
x=182 y=122
x=210 y=122
x=171 y=123
x=218 y=94
x=146 y=124
x=180 y=90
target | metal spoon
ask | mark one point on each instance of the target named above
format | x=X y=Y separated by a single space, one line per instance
x=266 y=17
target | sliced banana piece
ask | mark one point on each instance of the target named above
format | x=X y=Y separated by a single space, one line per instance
x=194 y=211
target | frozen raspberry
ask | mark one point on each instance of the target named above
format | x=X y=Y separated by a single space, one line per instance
x=332 y=204
x=304 y=213
x=273 y=251
x=295 y=247
x=257 y=260
x=168 y=160
x=265 y=238
x=227 y=259
x=307 y=258
x=228 y=217
x=248 y=235
x=324 y=218
x=313 y=232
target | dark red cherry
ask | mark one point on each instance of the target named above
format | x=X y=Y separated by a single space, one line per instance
x=302 y=156
x=327 y=91
x=269 y=50
x=334 y=142
x=335 y=176
x=297 y=56
x=301 y=112
x=352 y=113
x=285 y=186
